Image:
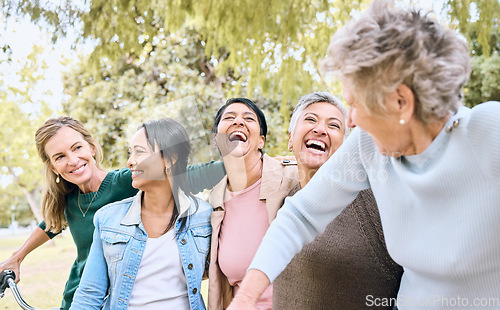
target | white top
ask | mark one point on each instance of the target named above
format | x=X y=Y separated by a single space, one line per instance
x=160 y=281
x=440 y=211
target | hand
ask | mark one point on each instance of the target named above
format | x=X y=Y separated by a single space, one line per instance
x=36 y=239
x=13 y=264
x=241 y=302
x=253 y=285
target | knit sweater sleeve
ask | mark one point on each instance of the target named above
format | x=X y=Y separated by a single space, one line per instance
x=484 y=137
x=49 y=233
x=205 y=176
x=305 y=215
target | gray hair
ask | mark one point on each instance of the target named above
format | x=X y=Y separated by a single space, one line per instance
x=388 y=46
x=316 y=97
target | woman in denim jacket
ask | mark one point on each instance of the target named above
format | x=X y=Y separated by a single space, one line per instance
x=150 y=251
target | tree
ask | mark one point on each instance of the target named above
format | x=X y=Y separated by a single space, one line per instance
x=20 y=167
x=271 y=48
x=481 y=28
x=483 y=84
x=166 y=79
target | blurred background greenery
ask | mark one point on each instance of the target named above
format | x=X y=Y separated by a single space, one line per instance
x=138 y=60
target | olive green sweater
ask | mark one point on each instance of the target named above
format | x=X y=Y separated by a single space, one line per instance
x=117 y=185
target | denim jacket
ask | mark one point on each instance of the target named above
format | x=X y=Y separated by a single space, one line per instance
x=118 y=245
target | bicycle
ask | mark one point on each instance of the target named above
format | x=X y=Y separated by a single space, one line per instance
x=7 y=278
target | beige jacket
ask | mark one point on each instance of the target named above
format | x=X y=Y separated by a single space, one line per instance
x=277 y=180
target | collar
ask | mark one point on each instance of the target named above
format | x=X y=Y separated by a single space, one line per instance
x=272 y=175
x=133 y=216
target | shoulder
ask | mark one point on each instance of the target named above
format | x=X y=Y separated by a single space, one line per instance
x=278 y=176
x=479 y=126
x=480 y=137
x=202 y=214
x=203 y=206
x=290 y=169
x=483 y=115
x=121 y=175
x=286 y=168
x=217 y=193
x=118 y=177
x=115 y=210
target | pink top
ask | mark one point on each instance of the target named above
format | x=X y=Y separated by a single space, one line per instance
x=245 y=224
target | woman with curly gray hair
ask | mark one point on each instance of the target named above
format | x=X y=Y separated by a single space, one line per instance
x=432 y=164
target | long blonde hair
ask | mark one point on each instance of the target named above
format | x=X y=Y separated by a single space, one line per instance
x=54 y=196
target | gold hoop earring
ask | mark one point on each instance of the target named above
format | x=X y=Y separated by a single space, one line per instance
x=168 y=170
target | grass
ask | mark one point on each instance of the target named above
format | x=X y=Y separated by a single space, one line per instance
x=44 y=272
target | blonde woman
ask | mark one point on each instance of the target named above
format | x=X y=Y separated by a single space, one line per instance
x=77 y=187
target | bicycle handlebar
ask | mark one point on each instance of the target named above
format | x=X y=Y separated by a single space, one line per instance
x=7 y=278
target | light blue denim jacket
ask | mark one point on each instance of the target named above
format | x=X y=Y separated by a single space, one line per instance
x=118 y=245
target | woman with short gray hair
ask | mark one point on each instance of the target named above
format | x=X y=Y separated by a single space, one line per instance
x=349 y=260
x=432 y=164
x=319 y=96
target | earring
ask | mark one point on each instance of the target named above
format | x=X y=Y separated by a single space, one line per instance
x=168 y=170
x=402 y=122
x=57 y=179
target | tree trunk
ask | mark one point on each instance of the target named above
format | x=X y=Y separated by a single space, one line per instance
x=34 y=204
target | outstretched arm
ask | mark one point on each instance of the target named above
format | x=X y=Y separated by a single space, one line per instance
x=36 y=239
x=205 y=176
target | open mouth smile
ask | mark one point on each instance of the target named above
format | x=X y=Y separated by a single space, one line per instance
x=316 y=146
x=79 y=170
x=237 y=136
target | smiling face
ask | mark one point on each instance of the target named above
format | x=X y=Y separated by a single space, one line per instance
x=71 y=156
x=318 y=134
x=238 y=132
x=147 y=166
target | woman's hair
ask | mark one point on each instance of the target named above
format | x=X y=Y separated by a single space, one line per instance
x=316 y=97
x=173 y=143
x=54 y=196
x=249 y=103
x=389 y=46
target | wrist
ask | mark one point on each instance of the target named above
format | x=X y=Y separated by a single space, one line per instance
x=246 y=298
x=18 y=256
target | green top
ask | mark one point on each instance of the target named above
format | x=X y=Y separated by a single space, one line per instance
x=117 y=185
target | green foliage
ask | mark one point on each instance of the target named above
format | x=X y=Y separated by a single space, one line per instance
x=169 y=79
x=163 y=80
x=481 y=23
x=267 y=48
x=483 y=84
x=263 y=41
x=183 y=59
x=22 y=114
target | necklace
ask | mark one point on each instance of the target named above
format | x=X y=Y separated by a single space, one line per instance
x=83 y=213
